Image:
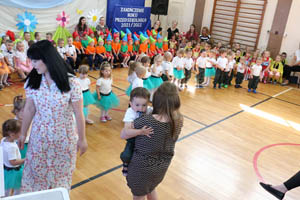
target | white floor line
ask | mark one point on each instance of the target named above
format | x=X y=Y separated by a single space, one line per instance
x=280 y=93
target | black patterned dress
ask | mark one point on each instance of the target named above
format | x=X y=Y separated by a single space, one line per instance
x=152 y=156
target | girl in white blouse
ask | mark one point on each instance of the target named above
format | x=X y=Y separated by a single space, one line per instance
x=105 y=98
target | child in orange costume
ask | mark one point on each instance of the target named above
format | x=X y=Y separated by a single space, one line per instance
x=100 y=53
x=116 y=47
x=144 y=45
x=90 y=51
x=165 y=44
x=152 y=50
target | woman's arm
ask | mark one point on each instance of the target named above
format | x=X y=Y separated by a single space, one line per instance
x=29 y=112
x=129 y=132
x=80 y=122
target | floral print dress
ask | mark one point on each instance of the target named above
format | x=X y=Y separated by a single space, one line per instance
x=51 y=156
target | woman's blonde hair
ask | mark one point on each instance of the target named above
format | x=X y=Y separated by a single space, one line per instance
x=18 y=103
x=166 y=102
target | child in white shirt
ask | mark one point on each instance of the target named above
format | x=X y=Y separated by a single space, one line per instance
x=11 y=156
x=228 y=70
x=139 y=98
x=210 y=70
x=255 y=75
x=167 y=67
x=178 y=68
x=188 y=63
x=221 y=65
x=241 y=68
x=71 y=54
x=200 y=68
x=61 y=49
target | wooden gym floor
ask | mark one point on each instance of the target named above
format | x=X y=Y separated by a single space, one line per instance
x=222 y=142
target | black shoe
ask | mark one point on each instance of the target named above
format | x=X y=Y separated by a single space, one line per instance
x=274 y=192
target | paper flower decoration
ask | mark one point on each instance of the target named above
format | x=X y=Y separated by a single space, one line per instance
x=27 y=22
x=63 y=19
x=93 y=17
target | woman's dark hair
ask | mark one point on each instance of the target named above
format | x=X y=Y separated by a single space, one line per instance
x=57 y=67
x=166 y=102
x=79 y=25
x=10 y=126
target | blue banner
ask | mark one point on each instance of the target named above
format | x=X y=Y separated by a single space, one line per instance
x=111 y=8
x=135 y=18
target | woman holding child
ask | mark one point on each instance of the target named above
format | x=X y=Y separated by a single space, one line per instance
x=153 y=153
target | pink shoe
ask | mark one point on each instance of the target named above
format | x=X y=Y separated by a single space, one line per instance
x=103 y=119
x=108 y=118
x=265 y=82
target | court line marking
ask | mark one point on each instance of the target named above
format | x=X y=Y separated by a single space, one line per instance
x=280 y=93
x=258 y=153
x=180 y=139
x=95 y=177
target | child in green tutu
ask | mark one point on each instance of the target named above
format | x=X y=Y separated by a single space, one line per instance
x=12 y=160
x=88 y=98
x=105 y=98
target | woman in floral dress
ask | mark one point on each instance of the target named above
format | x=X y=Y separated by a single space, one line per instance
x=54 y=97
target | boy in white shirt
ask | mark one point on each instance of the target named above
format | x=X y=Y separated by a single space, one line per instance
x=139 y=99
x=200 y=68
x=254 y=76
x=167 y=67
x=241 y=68
x=188 y=63
x=228 y=70
x=222 y=62
x=61 y=49
x=9 y=55
x=71 y=54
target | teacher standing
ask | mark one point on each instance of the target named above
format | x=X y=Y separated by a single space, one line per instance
x=53 y=98
x=153 y=154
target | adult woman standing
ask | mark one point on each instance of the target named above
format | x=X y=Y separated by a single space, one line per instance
x=192 y=33
x=82 y=28
x=153 y=154
x=54 y=96
x=173 y=30
x=157 y=27
x=205 y=36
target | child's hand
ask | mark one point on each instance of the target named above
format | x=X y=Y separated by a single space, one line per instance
x=99 y=97
x=147 y=131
